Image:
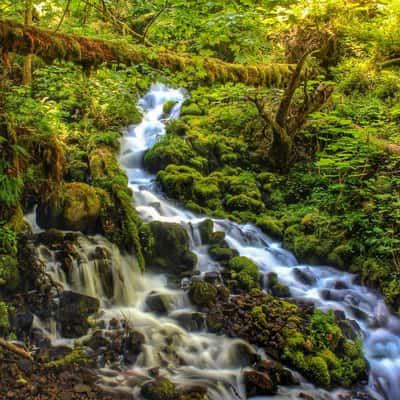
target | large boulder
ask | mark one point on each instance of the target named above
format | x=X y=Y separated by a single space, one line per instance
x=170 y=251
x=77 y=209
x=73 y=312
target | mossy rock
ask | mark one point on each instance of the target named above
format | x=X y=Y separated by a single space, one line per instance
x=170 y=250
x=171 y=149
x=202 y=293
x=271 y=226
x=242 y=202
x=160 y=389
x=178 y=181
x=206 y=228
x=9 y=272
x=77 y=171
x=317 y=371
x=276 y=288
x=245 y=271
x=222 y=253
x=78 y=209
x=176 y=127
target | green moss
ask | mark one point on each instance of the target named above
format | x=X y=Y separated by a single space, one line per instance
x=160 y=389
x=178 y=181
x=176 y=127
x=246 y=271
x=243 y=202
x=271 y=226
x=206 y=231
x=9 y=272
x=167 y=107
x=170 y=149
x=317 y=371
x=219 y=253
x=77 y=356
x=202 y=293
x=191 y=109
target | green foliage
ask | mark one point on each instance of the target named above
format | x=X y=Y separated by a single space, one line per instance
x=8 y=240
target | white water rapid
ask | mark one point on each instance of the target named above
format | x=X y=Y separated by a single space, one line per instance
x=203 y=358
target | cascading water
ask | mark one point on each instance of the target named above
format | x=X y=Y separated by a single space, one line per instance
x=199 y=357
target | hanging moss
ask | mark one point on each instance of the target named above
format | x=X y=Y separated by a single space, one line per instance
x=51 y=46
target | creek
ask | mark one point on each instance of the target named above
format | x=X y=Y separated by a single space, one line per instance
x=193 y=356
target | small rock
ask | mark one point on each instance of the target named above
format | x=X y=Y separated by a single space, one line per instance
x=258 y=384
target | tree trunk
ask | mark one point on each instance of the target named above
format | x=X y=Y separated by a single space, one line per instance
x=51 y=46
x=27 y=68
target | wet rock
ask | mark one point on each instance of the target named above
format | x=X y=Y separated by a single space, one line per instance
x=276 y=288
x=359 y=314
x=171 y=252
x=23 y=324
x=52 y=238
x=160 y=389
x=202 y=293
x=278 y=374
x=243 y=355
x=158 y=302
x=213 y=277
x=304 y=276
x=133 y=342
x=97 y=341
x=191 y=321
x=218 y=237
x=74 y=310
x=340 y=285
x=350 y=329
x=258 y=384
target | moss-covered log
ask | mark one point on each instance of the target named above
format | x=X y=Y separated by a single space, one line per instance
x=51 y=46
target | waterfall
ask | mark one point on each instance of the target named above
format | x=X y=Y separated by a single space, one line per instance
x=200 y=357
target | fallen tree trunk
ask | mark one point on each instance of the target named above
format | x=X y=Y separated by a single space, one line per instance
x=51 y=46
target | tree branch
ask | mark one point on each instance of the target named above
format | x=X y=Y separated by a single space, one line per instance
x=51 y=46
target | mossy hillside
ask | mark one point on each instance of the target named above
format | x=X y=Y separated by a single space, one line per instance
x=306 y=339
x=338 y=209
x=84 y=117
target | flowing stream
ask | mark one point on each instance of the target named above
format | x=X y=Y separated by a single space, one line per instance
x=190 y=355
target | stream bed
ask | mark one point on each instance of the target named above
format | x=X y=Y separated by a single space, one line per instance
x=194 y=356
